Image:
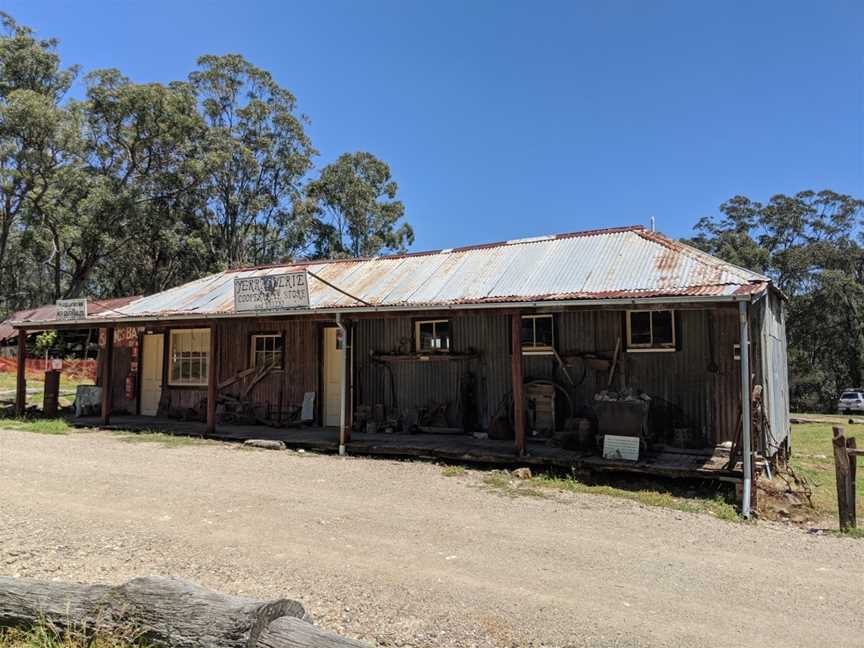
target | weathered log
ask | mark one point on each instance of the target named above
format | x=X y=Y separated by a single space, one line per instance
x=161 y=612
x=288 y=632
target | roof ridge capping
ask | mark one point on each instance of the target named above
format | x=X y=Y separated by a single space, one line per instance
x=299 y=263
x=700 y=255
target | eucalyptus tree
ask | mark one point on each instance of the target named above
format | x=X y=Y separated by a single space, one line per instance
x=357 y=211
x=810 y=244
x=32 y=84
x=257 y=154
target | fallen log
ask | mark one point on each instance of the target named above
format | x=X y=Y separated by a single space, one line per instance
x=162 y=612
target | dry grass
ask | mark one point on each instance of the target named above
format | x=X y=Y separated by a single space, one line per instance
x=44 y=637
x=646 y=492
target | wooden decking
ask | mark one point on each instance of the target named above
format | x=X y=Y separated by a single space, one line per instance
x=457 y=448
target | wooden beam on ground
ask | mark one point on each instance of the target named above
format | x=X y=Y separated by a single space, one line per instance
x=107 y=375
x=212 y=378
x=517 y=378
x=21 y=378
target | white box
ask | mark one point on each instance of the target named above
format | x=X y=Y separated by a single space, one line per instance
x=621 y=447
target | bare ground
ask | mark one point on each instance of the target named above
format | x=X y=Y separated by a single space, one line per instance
x=400 y=555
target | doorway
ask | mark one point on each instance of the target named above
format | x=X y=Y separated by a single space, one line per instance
x=334 y=354
x=151 y=373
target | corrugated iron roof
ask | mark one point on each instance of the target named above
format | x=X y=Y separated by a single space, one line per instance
x=48 y=312
x=627 y=262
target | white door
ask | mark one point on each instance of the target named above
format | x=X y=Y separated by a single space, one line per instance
x=333 y=359
x=151 y=374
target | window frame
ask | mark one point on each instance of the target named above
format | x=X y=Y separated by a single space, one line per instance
x=204 y=359
x=433 y=322
x=651 y=347
x=534 y=349
x=253 y=353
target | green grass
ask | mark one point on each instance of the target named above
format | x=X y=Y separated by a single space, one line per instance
x=39 y=426
x=43 y=637
x=453 y=471
x=813 y=459
x=8 y=383
x=166 y=440
x=715 y=504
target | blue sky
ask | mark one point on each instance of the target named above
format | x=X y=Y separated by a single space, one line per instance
x=503 y=119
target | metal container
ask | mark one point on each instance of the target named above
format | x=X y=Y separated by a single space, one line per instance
x=622 y=417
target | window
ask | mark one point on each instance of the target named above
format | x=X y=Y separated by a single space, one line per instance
x=189 y=356
x=267 y=350
x=538 y=334
x=432 y=336
x=651 y=330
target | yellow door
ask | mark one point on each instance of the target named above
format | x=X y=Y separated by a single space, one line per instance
x=151 y=374
x=333 y=358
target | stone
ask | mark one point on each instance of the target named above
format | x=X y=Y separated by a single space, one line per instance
x=266 y=444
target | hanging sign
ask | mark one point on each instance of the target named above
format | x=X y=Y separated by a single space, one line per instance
x=271 y=292
x=71 y=309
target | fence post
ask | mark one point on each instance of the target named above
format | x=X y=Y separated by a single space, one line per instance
x=845 y=494
x=851 y=447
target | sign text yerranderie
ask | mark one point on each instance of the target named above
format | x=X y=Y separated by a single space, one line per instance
x=71 y=309
x=271 y=292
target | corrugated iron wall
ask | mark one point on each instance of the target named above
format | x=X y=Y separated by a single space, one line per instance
x=769 y=331
x=709 y=399
x=701 y=378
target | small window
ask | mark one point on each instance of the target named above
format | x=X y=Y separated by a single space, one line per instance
x=651 y=330
x=538 y=334
x=267 y=350
x=432 y=336
x=189 y=356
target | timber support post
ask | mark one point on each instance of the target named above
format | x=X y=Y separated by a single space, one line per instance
x=21 y=375
x=212 y=378
x=518 y=388
x=846 y=454
x=107 y=375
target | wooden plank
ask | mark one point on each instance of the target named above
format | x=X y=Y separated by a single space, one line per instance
x=107 y=370
x=21 y=377
x=517 y=378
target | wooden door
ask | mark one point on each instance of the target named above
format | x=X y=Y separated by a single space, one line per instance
x=151 y=374
x=333 y=359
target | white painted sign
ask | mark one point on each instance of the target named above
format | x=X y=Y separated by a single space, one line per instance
x=271 y=292
x=71 y=309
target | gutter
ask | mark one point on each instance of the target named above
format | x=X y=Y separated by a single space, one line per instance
x=95 y=322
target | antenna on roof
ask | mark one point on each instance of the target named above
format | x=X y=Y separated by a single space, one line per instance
x=653 y=224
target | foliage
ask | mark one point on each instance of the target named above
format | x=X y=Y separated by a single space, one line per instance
x=809 y=244
x=138 y=187
x=45 y=341
x=357 y=198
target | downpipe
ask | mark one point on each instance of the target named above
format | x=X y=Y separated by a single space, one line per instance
x=746 y=458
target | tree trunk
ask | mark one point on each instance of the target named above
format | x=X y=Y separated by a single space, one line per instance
x=162 y=612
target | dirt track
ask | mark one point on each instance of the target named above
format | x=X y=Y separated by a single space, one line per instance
x=397 y=553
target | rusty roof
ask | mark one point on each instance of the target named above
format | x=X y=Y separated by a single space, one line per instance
x=620 y=263
x=48 y=312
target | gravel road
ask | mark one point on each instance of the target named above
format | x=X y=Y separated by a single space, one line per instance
x=398 y=554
